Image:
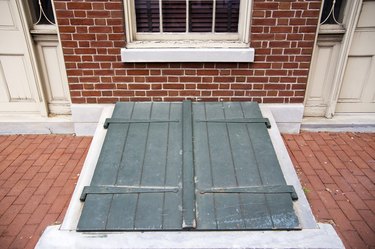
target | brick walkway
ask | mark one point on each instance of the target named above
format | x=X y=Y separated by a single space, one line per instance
x=38 y=175
x=337 y=171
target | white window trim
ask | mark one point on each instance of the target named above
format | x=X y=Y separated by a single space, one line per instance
x=167 y=47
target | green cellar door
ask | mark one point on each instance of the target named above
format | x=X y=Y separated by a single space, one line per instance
x=187 y=166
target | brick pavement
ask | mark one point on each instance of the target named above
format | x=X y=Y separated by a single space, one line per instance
x=38 y=174
x=337 y=171
x=37 y=177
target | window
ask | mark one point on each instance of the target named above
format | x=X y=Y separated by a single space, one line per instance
x=42 y=12
x=186 y=24
x=333 y=17
x=173 y=19
x=332 y=12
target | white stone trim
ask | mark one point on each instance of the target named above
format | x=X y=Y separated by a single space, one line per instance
x=288 y=116
x=187 y=55
x=86 y=117
x=350 y=122
x=35 y=124
x=324 y=237
x=187 y=44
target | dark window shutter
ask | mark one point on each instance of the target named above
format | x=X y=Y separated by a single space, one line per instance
x=174 y=16
x=147 y=15
x=200 y=15
x=227 y=14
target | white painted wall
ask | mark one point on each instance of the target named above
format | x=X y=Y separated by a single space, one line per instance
x=52 y=67
x=357 y=93
x=342 y=73
x=20 y=90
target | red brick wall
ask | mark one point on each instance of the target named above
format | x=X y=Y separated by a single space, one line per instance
x=92 y=33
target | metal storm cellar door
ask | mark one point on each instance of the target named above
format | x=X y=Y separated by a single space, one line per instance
x=193 y=166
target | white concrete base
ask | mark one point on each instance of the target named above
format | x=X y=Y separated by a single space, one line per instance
x=86 y=116
x=36 y=125
x=287 y=116
x=340 y=123
x=324 y=237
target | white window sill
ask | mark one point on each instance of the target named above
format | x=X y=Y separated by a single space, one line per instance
x=331 y=29
x=187 y=44
x=187 y=51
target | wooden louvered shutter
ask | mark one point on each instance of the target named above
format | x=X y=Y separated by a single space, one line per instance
x=198 y=15
x=174 y=16
x=147 y=15
x=227 y=14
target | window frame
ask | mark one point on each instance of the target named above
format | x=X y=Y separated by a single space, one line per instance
x=165 y=39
